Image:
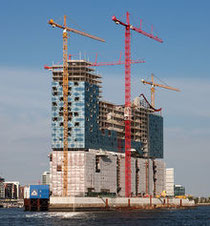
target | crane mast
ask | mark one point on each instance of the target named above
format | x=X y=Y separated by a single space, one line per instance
x=65 y=110
x=152 y=92
x=127 y=111
x=65 y=94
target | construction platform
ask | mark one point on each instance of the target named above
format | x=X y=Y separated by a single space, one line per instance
x=105 y=203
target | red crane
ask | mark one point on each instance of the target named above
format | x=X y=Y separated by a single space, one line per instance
x=96 y=64
x=119 y=62
x=127 y=111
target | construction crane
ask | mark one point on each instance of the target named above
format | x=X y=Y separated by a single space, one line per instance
x=96 y=64
x=65 y=93
x=127 y=110
x=115 y=63
x=153 y=85
x=119 y=62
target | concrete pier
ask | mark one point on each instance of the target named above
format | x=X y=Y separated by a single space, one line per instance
x=105 y=203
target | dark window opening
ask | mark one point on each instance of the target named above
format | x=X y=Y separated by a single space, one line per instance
x=76 y=114
x=76 y=124
x=98 y=164
x=59 y=168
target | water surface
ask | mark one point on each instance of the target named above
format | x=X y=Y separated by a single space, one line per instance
x=194 y=216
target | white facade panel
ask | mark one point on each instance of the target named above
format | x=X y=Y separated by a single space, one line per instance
x=96 y=172
x=170 y=181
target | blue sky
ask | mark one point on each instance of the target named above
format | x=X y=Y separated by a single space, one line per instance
x=27 y=42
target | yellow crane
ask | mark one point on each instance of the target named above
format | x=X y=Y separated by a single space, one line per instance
x=153 y=85
x=65 y=93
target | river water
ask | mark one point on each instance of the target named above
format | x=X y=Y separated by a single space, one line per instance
x=195 y=216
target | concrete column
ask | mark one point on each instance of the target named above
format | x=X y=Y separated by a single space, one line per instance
x=150 y=200
x=107 y=203
x=129 y=203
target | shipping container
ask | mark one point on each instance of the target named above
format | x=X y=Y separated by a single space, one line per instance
x=39 y=191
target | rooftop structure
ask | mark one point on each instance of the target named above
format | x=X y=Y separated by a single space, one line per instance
x=46 y=178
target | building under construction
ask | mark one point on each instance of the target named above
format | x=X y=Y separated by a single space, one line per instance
x=96 y=139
